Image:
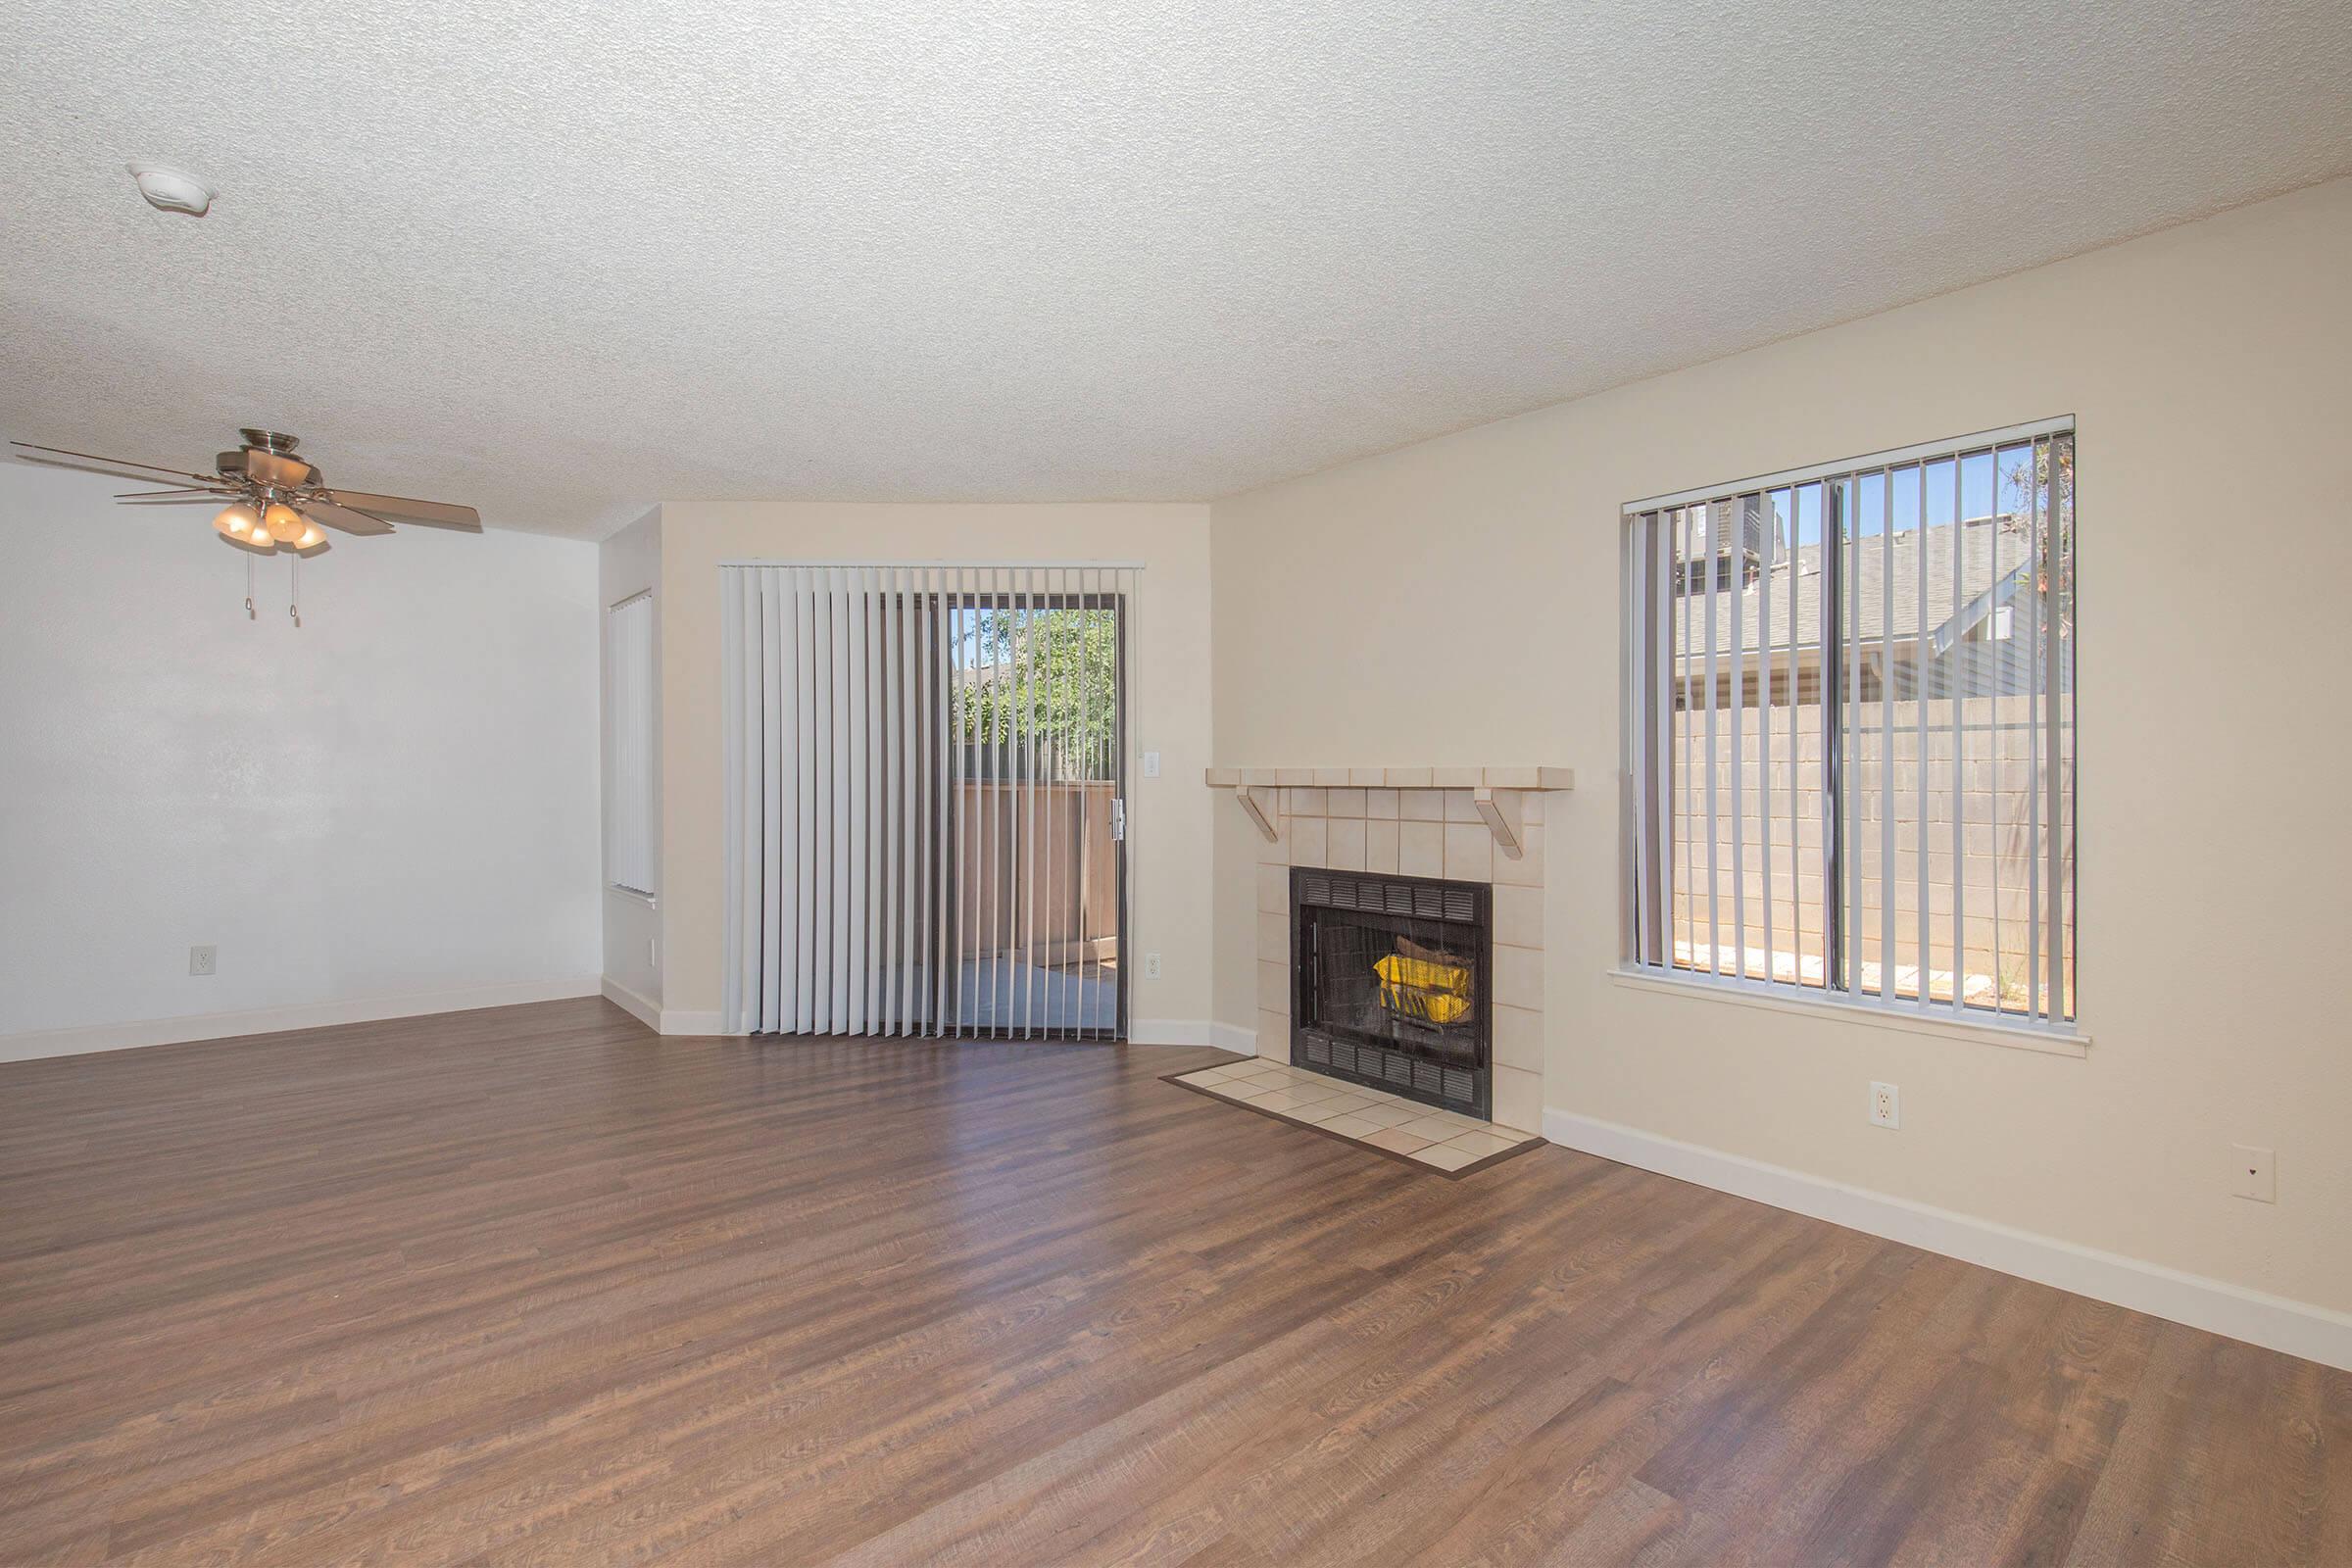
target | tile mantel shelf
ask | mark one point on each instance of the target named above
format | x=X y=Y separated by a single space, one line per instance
x=1495 y=790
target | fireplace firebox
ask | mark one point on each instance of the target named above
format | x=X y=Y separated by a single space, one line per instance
x=1388 y=985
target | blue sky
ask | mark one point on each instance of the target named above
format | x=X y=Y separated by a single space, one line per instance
x=1978 y=477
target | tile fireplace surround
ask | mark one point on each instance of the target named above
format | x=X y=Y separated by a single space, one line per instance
x=1425 y=822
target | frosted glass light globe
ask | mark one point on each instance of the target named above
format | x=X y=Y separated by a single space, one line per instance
x=284 y=523
x=238 y=522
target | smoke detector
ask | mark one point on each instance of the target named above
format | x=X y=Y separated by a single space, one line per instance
x=171 y=190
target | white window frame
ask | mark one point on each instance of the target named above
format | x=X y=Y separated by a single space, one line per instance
x=1648 y=962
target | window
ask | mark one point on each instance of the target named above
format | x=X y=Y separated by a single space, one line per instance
x=1850 y=743
x=629 y=791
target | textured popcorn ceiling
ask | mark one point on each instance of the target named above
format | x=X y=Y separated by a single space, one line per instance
x=561 y=260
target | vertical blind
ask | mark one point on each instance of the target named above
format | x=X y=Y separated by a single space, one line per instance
x=1850 y=743
x=925 y=808
x=629 y=818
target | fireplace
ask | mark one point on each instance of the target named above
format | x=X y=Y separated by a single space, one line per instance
x=1391 y=981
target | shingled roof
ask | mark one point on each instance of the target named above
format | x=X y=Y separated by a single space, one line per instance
x=1995 y=553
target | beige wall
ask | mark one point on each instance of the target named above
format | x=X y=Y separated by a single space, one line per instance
x=630 y=562
x=1168 y=816
x=2210 y=368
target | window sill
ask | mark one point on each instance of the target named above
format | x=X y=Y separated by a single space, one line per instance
x=1903 y=1016
x=620 y=892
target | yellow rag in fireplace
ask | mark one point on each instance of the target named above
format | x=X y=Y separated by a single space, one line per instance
x=1434 y=992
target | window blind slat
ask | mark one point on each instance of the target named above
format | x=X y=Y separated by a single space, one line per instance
x=960 y=760
x=1707 y=562
x=1886 y=735
x=1770 y=530
x=1685 y=808
x=1959 y=745
x=808 y=709
x=1924 y=954
x=1797 y=769
x=2033 y=956
x=1025 y=807
x=1849 y=704
x=2056 y=592
x=1661 y=858
x=770 y=610
x=1834 y=631
x=1083 y=800
x=1739 y=612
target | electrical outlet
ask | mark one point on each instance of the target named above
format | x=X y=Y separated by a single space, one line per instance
x=653 y=954
x=1150 y=966
x=2255 y=1173
x=1150 y=765
x=1885 y=1105
x=204 y=959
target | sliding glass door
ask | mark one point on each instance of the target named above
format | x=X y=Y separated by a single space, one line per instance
x=927 y=813
x=1039 y=717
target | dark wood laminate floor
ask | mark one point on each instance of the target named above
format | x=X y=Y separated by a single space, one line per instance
x=531 y=1285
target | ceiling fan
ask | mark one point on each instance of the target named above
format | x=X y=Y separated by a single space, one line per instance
x=275 y=498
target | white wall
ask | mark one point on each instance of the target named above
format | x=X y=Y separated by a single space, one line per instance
x=1169 y=816
x=395 y=804
x=2208 y=368
x=630 y=562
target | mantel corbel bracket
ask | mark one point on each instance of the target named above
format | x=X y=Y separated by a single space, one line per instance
x=1254 y=802
x=1500 y=811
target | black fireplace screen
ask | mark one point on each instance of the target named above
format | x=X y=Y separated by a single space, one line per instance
x=1390 y=984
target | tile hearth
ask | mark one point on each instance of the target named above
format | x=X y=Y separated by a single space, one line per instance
x=1424 y=1135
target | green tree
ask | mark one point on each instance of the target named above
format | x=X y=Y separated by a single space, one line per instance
x=2031 y=480
x=1043 y=684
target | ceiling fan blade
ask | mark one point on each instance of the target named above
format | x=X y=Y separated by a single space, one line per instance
x=75 y=466
x=174 y=501
x=401 y=509
x=329 y=515
x=183 y=490
x=115 y=463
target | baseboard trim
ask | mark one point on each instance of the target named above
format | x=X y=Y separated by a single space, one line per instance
x=639 y=1006
x=1143 y=1032
x=2298 y=1328
x=1169 y=1032
x=36 y=1045
x=1193 y=1032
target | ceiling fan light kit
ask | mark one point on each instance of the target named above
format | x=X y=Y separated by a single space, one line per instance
x=275 y=498
x=284 y=523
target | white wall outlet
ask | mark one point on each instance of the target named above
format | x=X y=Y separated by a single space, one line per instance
x=204 y=959
x=653 y=954
x=1150 y=966
x=2255 y=1173
x=1885 y=1105
x=1150 y=765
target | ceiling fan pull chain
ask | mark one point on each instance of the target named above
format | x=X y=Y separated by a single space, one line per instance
x=294 y=593
x=249 y=614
